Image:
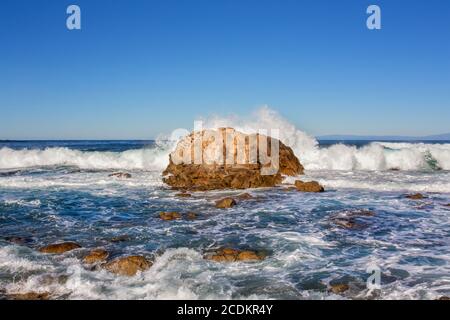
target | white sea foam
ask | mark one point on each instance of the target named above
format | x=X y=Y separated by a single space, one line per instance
x=375 y=156
x=145 y=159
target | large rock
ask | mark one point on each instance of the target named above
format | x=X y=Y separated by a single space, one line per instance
x=228 y=159
x=128 y=266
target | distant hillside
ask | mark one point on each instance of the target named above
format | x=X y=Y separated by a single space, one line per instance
x=445 y=136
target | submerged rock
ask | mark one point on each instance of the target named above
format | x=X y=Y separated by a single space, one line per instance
x=228 y=159
x=121 y=238
x=346 y=223
x=183 y=195
x=170 y=215
x=356 y=213
x=18 y=240
x=58 y=248
x=244 y=196
x=29 y=296
x=311 y=186
x=95 y=256
x=191 y=215
x=416 y=196
x=128 y=266
x=120 y=175
x=443 y=298
x=225 y=203
x=234 y=255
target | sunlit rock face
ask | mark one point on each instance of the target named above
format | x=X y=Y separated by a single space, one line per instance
x=229 y=159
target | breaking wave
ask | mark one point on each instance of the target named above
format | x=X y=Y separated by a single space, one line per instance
x=143 y=159
x=371 y=157
x=375 y=156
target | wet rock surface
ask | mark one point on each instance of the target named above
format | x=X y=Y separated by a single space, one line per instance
x=339 y=288
x=120 y=175
x=348 y=219
x=234 y=255
x=310 y=186
x=96 y=256
x=58 y=248
x=169 y=215
x=18 y=240
x=415 y=196
x=244 y=196
x=225 y=203
x=128 y=266
x=183 y=195
x=121 y=238
x=29 y=296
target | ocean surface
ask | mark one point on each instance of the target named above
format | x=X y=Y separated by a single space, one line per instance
x=52 y=191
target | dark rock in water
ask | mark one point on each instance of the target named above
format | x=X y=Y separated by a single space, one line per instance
x=347 y=219
x=443 y=298
x=121 y=238
x=18 y=240
x=128 y=266
x=9 y=173
x=447 y=205
x=183 y=195
x=359 y=213
x=29 y=296
x=213 y=173
x=170 y=215
x=311 y=186
x=58 y=248
x=234 y=255
x=346 y=223
x=244 y=196
x=339 y=288
x=96 y=256
x=291 y=188
x=416 y=196
x=225 y=203
x=120 y=175
x=191 y=215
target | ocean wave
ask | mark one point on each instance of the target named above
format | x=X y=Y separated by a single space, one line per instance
x=372 y=157
x=143 y=159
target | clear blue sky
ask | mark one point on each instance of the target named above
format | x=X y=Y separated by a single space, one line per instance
x=138 y=68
